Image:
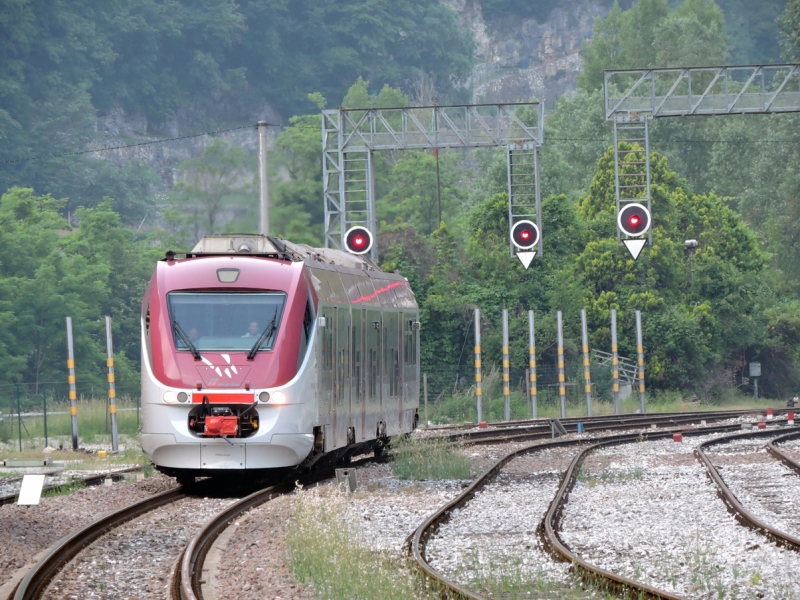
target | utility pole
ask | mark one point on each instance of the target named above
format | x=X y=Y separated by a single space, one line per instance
x=262 y=174
x=112 y=387
x=73 y=398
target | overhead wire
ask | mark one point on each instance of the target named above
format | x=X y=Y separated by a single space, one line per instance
x=653 y=140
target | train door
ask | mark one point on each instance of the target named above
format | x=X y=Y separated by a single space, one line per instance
x=410 y=393
x=342 y=419
x=327 y=379
x=393 y=376
x=358 y=414
x=372 y=336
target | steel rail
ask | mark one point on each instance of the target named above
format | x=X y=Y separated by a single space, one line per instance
x=35 y=582
x=729 y=498
x=780 y=454
x=87 y=481
x=541 y=432
x=420 y=537
x=186 y=577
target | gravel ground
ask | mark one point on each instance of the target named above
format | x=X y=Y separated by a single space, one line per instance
x=27 y=530
x=763 y=484
x=135 y=559
x=495 y=534
x=11 y=485
x=650 y=512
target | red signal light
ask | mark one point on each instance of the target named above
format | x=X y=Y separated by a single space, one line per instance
x=633 y=220
x=358 y=240
x=524 y=235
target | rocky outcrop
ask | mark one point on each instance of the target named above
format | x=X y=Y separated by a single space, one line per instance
x=523 y=58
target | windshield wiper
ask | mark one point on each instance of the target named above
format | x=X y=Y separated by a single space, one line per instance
x=265 y=335
x=182 y=334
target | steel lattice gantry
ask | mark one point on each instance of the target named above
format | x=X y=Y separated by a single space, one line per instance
x=350 y=138
x=633 y=97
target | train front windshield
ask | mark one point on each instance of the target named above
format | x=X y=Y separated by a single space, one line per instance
x=220 y=322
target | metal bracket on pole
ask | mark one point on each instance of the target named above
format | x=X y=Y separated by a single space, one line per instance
x=350 y=137
x=632 y=164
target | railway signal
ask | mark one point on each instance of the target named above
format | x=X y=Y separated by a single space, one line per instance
x=525 y=236
x=358 y=240
x=634 y=221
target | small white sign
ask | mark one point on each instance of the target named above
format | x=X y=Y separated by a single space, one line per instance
x=31 y=490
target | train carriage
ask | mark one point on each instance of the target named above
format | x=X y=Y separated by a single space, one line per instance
x=260 y=354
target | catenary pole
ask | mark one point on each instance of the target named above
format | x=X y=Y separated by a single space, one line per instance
x=112 y=392
x=640 y=352
x=262 y=174
x=587 y=376
x=73 y=397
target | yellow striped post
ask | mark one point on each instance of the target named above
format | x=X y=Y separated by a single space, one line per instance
x=112 y=392
x=640 y=352
x=587 y=377
x=532 y=363
x=73 y=397
x=478 y=383
x=506 y=391
x=614 y=360
x=562 y=391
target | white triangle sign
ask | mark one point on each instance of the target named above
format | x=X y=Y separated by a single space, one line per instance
x=635 y=247
x=526 y=258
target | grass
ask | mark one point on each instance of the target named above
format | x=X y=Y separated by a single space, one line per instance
x=328 y=553
x=460 y=407
x=428 y=459
x=64 y=490
x=94 y=423
x=514 y=579
x=608 y=476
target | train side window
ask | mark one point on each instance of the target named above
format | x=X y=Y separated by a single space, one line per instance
x=308 y=324
x=327 y=344
x=409 y=343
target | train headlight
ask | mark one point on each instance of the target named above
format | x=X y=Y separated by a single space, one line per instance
x=263 y=397
x=170 y=396
x=278 y=398
x=183 y=396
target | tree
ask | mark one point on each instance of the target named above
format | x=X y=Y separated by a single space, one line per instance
x=215 y=187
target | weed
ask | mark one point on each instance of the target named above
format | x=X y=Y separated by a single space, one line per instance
x=326 y=551
x=66 y=489
x=428 y=459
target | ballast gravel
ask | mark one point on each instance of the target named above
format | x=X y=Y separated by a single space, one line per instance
x=765 y=486
x=495 y=534
x=27 y=530
x=134 y=560
x=649 y=511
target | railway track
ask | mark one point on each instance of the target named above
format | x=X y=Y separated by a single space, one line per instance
x=745 y=515
x=186 y=582
x=551 y=523
x=89 y=481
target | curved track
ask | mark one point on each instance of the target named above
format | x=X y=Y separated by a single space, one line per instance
x=550 y=527
x=745 y=516
x=87 y=481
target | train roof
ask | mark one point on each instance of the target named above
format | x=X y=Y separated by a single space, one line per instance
x=272 y=247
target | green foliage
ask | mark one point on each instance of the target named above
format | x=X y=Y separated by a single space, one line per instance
x=650 y=34
x=427 y=459
x=49 y=272
x=789 y=24
x=218 y=187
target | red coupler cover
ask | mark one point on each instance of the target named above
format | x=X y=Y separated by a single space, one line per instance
x=219 y=426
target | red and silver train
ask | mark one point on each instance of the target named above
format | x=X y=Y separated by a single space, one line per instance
x=262 y=354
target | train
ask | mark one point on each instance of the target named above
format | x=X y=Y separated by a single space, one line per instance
x=262 y=355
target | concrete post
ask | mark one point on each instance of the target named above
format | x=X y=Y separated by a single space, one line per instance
x=614 y=360
x=112 y=392
x=73 y=397
x=587 y=376
x=532 y=363
x=478 y=390
x=425 y=395
x=640 y=352
x=562 y=391
x=506 y=391
x=262 y=174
